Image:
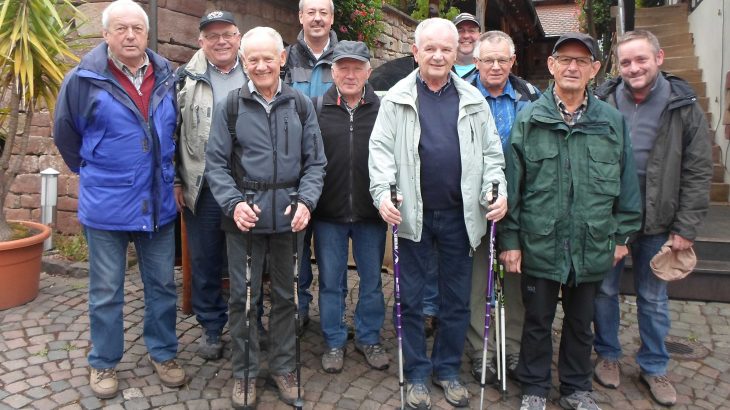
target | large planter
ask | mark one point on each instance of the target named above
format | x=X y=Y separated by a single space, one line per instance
x=20 y=266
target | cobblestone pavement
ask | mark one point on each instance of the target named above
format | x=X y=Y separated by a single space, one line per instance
x=43 y=347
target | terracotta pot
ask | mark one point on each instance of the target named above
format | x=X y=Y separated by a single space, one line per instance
x=20 y=266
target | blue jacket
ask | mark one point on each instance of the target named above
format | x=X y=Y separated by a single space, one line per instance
x=125 y=163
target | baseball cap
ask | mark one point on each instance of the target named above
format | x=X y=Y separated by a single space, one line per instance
x=466 y=17
x=217 y=15
x=672 y=265
x=582 y=38
x=351 y=49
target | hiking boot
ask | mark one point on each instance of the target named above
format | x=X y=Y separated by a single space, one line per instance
x=513 y=359
x=171 y=374
x=429 y=325
x=417 y=396
x=210 y=346
x=239 y=390
x=287 y=385
x=375 y=355
x=530 y=402
x=476 y=371
x=454 y=392
x=607 y=372
x=661 y=389
x=104 y=382
x=333 y=359
x=579 y=400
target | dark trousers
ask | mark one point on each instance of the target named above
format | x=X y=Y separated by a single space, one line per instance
x=540 y=297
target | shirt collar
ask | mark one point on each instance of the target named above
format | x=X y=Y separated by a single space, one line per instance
x=214 y=67
x=326 y=46
x=440 y=91
x=123 y=67
x=570 y=118
x=343 y=102
x=253 y=90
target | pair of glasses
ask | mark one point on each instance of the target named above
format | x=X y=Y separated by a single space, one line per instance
x=503 y=62
x=580 y=61
x=216 y=36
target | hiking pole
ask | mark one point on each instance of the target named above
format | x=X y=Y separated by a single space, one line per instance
x=398 y=322
x=490 y=289
x=247 y=342
x=500 y=330
x=293 y=201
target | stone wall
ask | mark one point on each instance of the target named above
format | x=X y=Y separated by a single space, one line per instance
x=177 y=40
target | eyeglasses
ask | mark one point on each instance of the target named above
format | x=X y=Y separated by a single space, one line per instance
x=227 y=36
x=503 y=62
x=580 y=61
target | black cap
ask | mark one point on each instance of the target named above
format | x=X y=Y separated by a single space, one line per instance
x=466 y=17
x=582 y=38
x=351 y=49
x=217 y=15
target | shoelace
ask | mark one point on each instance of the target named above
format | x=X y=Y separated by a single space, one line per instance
x=104 y=374
x=288 y=380
x=419 y=389
x=334 y=353
x=170 y=365
x=609 y=364
x=375 y=350
x=531 y=400
x=455 y=386
x=242 y=387
x=663 y=380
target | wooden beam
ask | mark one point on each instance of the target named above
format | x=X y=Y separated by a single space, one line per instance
x=481 y=13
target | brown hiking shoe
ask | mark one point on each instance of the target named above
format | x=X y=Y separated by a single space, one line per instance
x=287 y=385
x=661 y=389
x=239 y=394
x=375 y=355
x=607 y=372
x=103 y=382
x=171 y=374
x=333 y=359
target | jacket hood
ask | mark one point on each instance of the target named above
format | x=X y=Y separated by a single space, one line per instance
x=96 y=61
x=405 y=91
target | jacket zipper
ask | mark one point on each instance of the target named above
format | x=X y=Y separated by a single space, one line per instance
x=286 y=136
x=352 y=156
x=272 y=135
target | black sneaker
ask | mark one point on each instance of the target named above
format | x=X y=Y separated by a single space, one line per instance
x=490 y=376
x=210 y=346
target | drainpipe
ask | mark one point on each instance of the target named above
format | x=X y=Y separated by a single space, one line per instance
x=153 y=25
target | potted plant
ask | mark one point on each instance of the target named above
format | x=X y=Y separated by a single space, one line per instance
x=34 y=56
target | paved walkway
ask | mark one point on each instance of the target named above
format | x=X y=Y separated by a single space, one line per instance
x=43 y=347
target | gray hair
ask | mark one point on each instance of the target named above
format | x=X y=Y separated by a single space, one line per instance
x=493 y=37
x=301 y=5
x=123 y=5
x=433 y=22
x=273 y=34
x=639 y=35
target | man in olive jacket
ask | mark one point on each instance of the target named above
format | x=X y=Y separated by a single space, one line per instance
x=573 y=205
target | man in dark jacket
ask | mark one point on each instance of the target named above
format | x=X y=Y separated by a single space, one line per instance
x=268 y=113
x=114 y=125
x=345 y=211
x=573 y=205
x=674 y=164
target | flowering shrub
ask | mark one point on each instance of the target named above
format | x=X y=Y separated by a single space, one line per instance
x=358 y=20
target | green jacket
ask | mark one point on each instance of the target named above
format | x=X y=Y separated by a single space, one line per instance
x=573 y=192
x=394 y=156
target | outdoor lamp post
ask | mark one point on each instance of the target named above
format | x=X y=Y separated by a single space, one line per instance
x=49 y=199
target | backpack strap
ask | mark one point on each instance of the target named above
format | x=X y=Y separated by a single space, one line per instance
x=299 y=106
x=317 y=102
x=232 y=111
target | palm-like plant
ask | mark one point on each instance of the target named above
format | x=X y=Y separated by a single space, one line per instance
x=34 y=56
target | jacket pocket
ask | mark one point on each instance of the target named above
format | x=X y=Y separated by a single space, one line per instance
x=604 y=169
x=538 y=242
x=541 y=166
x=599 y=245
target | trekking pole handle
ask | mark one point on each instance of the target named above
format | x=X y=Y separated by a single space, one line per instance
x=293 y=201
x=394 y=194
x=495 y=191
x=249 y=199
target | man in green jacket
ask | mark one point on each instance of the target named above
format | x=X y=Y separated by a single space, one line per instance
x=574 y=203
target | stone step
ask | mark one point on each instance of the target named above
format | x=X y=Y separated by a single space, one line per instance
x=719 y=191
x=716 y=154
x=680 y=63
x=676 y=39
x=718 y=172
x=653 y=20
x=681 y=50
x=704 y=103
x=661 y=11
x=693 y=75
x=661 y=30
x=700 y=88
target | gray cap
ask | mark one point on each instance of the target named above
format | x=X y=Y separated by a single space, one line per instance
x=582 y=38
x=466 y=17
x=217 y=15
x=351 y=49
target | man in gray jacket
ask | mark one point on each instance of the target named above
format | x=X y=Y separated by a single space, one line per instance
x=206 y=79
x=262 y=113
x=435 y=137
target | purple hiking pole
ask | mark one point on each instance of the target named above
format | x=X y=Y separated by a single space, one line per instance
x=398 y=321
x=490 y=290
x=293 y=201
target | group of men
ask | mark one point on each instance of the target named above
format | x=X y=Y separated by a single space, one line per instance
x=581 y=182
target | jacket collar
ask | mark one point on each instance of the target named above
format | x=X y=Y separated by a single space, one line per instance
x=95 y=61
x=547 y=109
x=405 y=91
x=326 y=55
x=681 y=94
x=330 y=96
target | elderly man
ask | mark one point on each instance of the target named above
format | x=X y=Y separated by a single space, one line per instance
x=574 y=203
x=309 y=70
x=435 y=137
x=205 y=80
x=114 y=125
x=674 y=163
x=240 y=160
x=345 y=211
x=507 y=95
x=469 y=28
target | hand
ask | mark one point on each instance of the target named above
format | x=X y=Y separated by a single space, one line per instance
x=179 y=198
x=620 y=252
x=679 y=243
x=245 y=217
x=498 y=209
x=301 y=217
x=389 y=212
x=512 y=261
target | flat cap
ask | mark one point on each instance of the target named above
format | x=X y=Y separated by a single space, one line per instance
x=351 y=49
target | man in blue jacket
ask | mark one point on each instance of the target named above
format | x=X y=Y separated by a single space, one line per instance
x=114 y=125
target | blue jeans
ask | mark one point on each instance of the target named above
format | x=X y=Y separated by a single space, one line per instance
x=431 y=290
x=444 y=232
x=652 y=303
x=107 y=266
x=368 y=246
x=207 y=250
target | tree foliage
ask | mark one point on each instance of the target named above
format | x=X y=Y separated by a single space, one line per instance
x=358 y=20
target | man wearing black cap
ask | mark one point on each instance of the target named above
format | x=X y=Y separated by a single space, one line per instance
x=205 y=80
x=346 y=212
x=573 y=205
x=468 y=27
